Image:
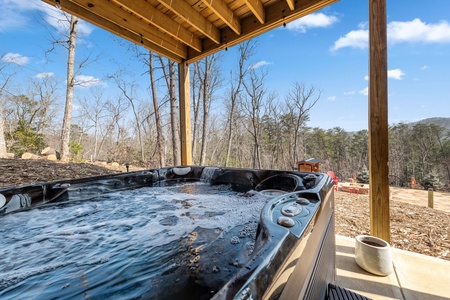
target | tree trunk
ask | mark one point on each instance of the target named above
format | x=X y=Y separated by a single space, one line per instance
x=65 y=134
x=174 y=118
x=206 y=94
x=245 y=52
x=136 y=116
x=95 y=137
x=159 y=134
x=2 y=132
x=196 y=94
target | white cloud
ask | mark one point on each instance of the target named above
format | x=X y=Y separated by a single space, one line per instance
x=10 y=17
x=418 y=31
x=424 y=67
x=15 y=58
x=311 y=21
x=87 y=81
x=364 y=91
x=13 y=15
x=44 y=75
x=259 y=64
x=396 y=74
x=332 y=98
x=355 y=38
x=349 y=93
x=414 y=31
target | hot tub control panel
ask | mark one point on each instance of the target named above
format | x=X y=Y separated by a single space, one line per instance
x=293 y=211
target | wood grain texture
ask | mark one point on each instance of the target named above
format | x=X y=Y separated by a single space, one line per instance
x=185 y=114
x=378 y=122
x=189 y=30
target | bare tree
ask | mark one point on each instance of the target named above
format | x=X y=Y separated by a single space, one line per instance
x=68 y=40
x=94 y=109
x=45 y=92
x=299 y=102
x=117 y=109
x=160 y=148
x=252 y=106
x=128 y=93
x=171 y=79
x=196 y=94
x=246 y=50
x=5 y=79
x=65 y=133
x=209 y=78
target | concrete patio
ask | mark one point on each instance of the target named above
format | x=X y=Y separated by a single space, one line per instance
x=415 y=276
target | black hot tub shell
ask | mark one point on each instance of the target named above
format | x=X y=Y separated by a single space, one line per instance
x=293 y=250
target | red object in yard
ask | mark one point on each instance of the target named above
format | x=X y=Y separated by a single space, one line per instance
x=351 y=190
x=335 y=179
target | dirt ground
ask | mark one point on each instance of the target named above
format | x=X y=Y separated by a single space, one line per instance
x=414 y=226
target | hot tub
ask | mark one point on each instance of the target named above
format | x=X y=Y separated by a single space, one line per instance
x=170 y=233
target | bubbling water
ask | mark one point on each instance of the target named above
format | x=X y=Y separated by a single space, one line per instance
x=129 y=244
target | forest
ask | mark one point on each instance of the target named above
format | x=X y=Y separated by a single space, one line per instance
x=253 y=128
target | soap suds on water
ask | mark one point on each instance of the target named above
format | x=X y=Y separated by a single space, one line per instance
x=47 y=250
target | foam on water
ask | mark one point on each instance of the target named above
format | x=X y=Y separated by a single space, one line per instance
x=116 y=244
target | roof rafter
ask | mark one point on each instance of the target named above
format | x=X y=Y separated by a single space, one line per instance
x=194 y=18
x=276 y=15
x=291 y=4
x=257 y=9
x=188 y=30
x=155 y=17
x=166 y=47
x=225 y=13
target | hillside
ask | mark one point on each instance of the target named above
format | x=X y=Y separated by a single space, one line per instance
x=443 y=122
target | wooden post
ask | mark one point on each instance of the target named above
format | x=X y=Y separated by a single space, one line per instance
x=378 y=121
x=430 y=198
x=185 y=114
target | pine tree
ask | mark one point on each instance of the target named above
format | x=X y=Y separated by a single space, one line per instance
x=431 y=180
x=363 y=175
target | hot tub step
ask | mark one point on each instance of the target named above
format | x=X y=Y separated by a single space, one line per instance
x=337 y=293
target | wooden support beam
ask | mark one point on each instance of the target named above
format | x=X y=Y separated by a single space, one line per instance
x=291 y=4
x=378 y=122
x=176 y=53
x=275 y=15
x=257 y=9
x=194 y=18
x=164 y=23
x=185 y=114
x=221 y=9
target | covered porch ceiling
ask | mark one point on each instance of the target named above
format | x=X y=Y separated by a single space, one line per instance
x=188 y=30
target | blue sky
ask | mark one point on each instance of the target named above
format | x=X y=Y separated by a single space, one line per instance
x=328 y=50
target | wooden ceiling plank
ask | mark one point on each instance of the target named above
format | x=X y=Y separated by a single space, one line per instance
x=291 y=4
x=257 y=8
x=158 y=19
x=276 y=14
x=194 y=18
x=225 y=13
x=74 y=9
x=129 y=22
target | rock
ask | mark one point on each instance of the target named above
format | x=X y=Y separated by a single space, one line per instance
x=10 y=155
x=115 y=165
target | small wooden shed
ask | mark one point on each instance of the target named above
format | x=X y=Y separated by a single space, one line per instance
x=309 y=165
